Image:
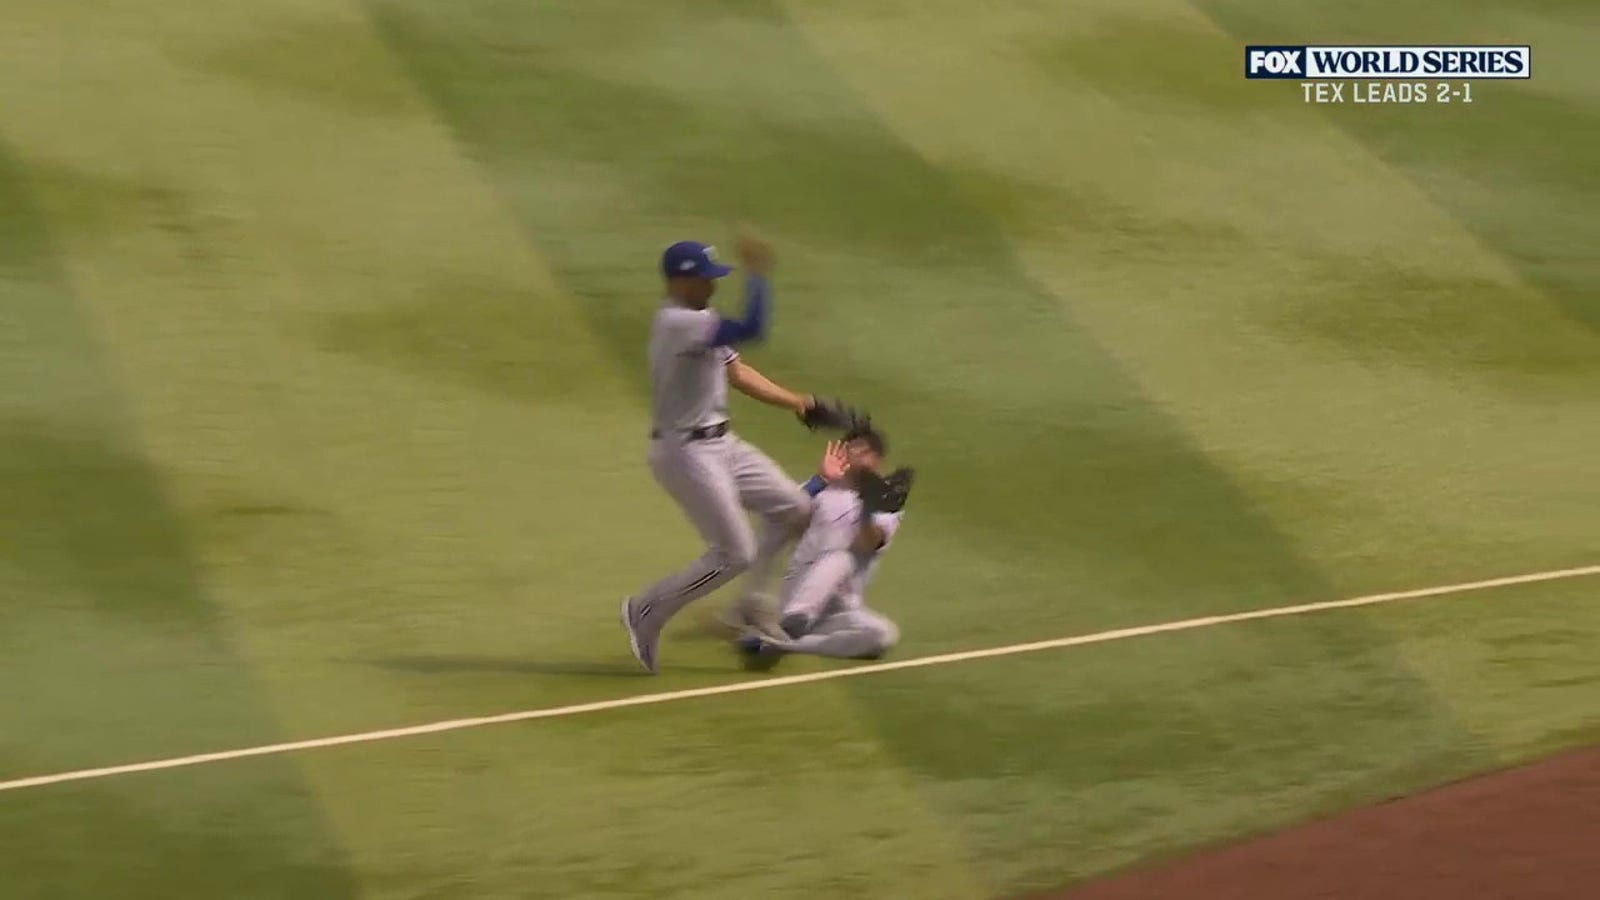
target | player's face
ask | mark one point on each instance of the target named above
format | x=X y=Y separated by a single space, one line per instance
x=702 y=289
x=861 y=455
x=694 y=293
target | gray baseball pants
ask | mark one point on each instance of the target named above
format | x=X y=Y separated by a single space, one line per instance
x=847 y=630
x=714 y=481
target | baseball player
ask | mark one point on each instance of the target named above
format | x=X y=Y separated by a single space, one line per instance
x=854 y=516
x=712 y=474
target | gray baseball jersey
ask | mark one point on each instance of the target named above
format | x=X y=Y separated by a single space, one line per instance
x=688 y=377
x=835 y=519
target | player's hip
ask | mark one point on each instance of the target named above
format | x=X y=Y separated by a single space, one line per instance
x=691 y=434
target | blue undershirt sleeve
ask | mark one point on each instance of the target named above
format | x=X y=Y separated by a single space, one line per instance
x=753 y=327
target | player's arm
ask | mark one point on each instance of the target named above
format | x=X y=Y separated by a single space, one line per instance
x=752 y=326
x=757 y=386
x=869 y=537
x=756 y=256
x=875 y=532
x=833 y=467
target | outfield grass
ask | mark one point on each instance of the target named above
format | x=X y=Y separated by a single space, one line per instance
x=321 y=340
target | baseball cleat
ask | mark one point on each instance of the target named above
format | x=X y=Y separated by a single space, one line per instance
x=644 y=648
x=758 y=614
x=768 y=627
x=758 y=654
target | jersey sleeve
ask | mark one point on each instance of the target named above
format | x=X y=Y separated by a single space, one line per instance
x=727 y=355
x=689 y=331
x=752 y=326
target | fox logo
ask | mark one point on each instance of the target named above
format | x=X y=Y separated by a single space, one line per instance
x=1274 y=62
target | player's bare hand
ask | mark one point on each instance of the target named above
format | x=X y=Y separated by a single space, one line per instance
x=755 y=254
x=834 y=462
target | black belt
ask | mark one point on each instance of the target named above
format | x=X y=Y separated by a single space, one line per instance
x=697 y=434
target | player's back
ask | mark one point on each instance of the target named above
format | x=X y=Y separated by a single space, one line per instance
x=688 y=377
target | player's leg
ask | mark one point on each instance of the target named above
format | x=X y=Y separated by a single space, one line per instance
x=696 y=475
x=758 y=613
x=808 y=596
x=856 y=633
x=784 y=508
x=808 y=593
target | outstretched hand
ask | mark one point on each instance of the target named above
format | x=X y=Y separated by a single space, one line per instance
x=834 y=462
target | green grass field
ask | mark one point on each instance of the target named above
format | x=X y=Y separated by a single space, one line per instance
x=322 y=394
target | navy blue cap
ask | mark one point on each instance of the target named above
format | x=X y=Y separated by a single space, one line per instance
x=692 y=259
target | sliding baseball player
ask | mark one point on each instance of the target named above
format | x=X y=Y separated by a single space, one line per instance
x=855 y=514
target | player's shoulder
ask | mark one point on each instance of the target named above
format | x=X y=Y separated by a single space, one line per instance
x=679 y=325
x=671 y=314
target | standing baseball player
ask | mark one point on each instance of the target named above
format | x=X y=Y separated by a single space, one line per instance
x=712 y=474
x=855 y=515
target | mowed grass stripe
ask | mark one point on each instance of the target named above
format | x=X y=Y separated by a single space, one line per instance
x=1525 y=677
x=1533 y=208
x=603 y=247
x=243 y=240
x=385 y=433
x=1531 y=215
x=902 y=290
x=1183 y=226
x=894 y=290
x=652 y=699
x=105 y=626
x=1339 y=343
x=348 y=508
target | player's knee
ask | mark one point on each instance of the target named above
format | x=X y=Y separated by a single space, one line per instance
x=737 y=554
x=880 y=639
x=885 y=635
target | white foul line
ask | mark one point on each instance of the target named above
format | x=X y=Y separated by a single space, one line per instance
x=786 y=680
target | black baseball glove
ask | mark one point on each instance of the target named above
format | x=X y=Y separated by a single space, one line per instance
x=884 y=493
x=833 y=415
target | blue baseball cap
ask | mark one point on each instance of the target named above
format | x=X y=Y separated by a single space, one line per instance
x=692 y=259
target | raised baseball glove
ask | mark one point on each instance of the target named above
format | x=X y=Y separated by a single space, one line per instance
x=833 y=415
x=884 y=493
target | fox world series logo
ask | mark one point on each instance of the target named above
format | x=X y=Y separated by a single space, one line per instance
x=1310 y=63
x=1387 y=74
